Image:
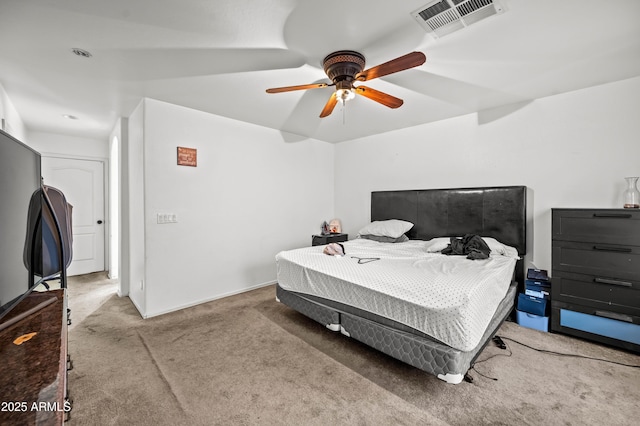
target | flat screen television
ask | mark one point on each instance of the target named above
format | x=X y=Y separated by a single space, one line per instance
x=20 y=178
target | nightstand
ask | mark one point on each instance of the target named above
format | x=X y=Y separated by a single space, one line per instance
x=319 y=240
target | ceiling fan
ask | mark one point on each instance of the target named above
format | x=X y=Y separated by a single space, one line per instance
x=345 y=67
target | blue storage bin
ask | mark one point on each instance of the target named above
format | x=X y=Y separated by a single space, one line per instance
x=537 y=274
x=532 y=305
x=536 y=322
x=540 y=289
x=537 y=285
x=539 y=294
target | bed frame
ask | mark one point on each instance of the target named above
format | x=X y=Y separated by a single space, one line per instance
x=498 y=212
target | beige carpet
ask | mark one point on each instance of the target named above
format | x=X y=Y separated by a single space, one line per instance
x=85 y=293
x=248 y=360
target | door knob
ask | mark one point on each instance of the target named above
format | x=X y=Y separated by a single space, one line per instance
x=99 y=222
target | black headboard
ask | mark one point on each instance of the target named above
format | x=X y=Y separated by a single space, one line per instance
x=498 y=212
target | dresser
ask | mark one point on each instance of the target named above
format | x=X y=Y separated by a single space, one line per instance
x=33 y=371
x=595 y=291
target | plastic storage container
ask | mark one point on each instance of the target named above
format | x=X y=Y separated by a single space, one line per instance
x=536 y=322
x=531 y=304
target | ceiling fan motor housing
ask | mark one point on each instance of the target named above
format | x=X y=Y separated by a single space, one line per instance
x=343 y=66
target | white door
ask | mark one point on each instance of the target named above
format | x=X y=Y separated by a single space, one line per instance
x=82 y=182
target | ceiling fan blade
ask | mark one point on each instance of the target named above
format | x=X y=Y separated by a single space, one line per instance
x=380 y=97
x=410 y=60
x=330 y=105
x=300 y=87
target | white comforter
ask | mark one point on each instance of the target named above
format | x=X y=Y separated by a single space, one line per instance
x=450 y=298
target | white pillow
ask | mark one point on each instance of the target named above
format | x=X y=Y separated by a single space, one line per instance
x=393 y=228
x=438 y=244
x=499 y=248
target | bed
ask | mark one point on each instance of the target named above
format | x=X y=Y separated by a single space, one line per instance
x=401 y=298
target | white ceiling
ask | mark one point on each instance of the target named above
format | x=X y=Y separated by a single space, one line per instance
x=219 y=56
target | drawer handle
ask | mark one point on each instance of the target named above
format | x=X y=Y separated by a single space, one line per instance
x=614 y=315
x=611 y=248
x=613 y=215
x=613 y=282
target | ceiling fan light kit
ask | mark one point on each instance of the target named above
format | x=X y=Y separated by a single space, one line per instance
x=345 y=67
x=345 y=95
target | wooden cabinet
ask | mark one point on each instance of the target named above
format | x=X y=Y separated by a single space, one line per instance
x=595 y=288
x=33 y=371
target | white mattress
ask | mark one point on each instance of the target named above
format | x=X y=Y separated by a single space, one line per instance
x=450 y=298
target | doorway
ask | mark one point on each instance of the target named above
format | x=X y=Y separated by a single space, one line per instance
x=82 y=182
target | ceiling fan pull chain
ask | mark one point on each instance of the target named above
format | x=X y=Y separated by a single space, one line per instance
x=344 y=107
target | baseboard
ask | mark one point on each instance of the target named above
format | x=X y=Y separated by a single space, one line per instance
x=220 y=296
x=137 y=307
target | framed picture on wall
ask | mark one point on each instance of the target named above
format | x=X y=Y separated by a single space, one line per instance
x=187 y=156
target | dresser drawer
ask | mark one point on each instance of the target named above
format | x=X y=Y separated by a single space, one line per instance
x=597 y=291
x=601 y=324
x=610 y=226
x=597 y=259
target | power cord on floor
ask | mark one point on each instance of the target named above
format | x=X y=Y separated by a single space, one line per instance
x=499 y=342
x=570 y=355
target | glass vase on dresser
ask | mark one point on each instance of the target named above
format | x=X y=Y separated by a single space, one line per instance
x=631 y=194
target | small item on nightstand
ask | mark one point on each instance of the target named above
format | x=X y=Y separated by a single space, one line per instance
x=320 y=240
x=324 y=230
x=335 y=227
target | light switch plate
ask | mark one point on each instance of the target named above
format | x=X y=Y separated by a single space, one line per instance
x=166 y=218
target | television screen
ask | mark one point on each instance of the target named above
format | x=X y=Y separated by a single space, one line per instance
x=19 y=179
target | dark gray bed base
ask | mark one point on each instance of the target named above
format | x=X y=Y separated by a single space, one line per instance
x=498 y=212
x=422 y=352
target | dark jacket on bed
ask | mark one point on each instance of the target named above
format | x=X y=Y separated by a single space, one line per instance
x=471 y=245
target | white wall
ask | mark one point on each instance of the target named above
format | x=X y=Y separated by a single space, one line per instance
x=68 y=146
x=50 y=143
x=571 y=150
x=12 y=122
x=133 y=211
x=250 y=196
x=118 y=134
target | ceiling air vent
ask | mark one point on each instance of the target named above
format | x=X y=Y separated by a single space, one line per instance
x=442 y=17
